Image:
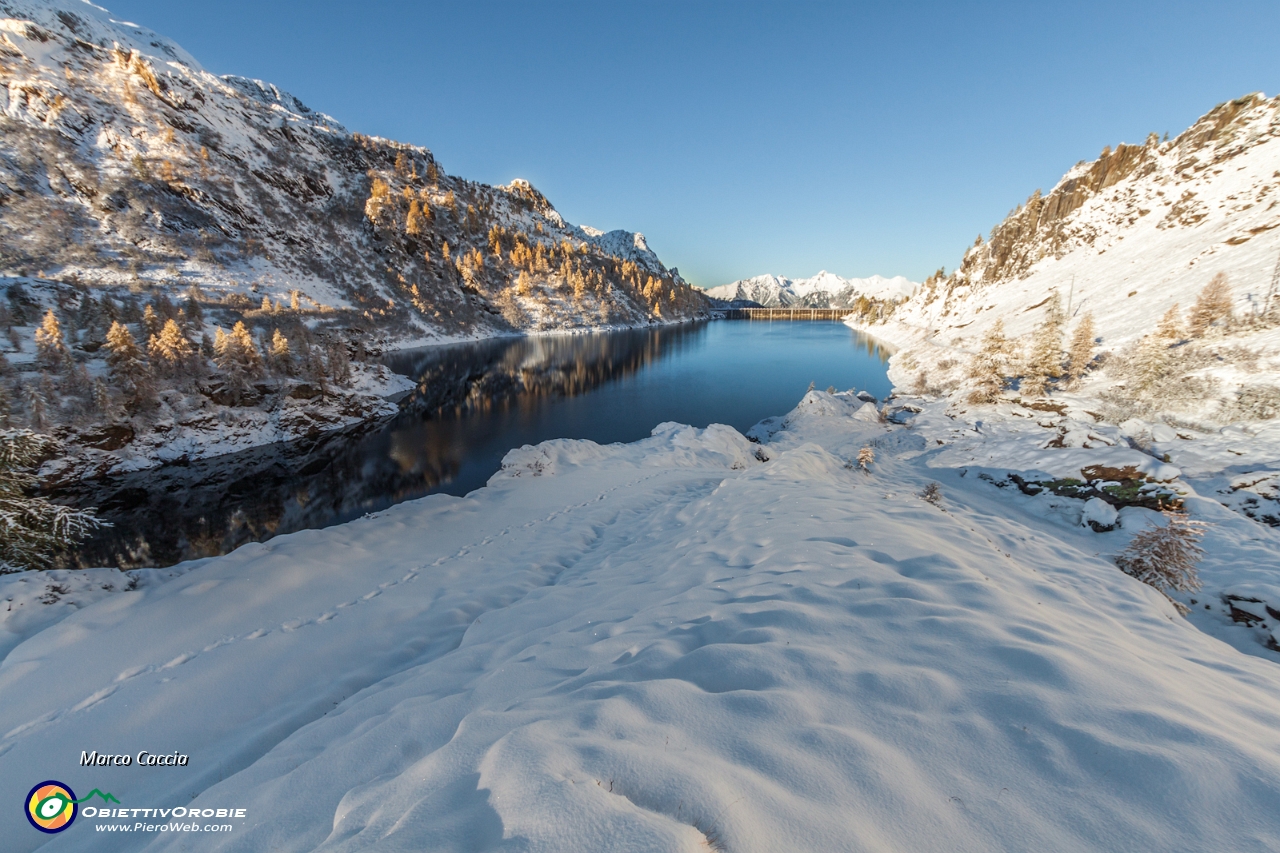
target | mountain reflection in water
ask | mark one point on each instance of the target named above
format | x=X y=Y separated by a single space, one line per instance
x=473 y=403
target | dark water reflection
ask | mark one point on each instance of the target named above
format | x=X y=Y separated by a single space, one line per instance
x=473 y=403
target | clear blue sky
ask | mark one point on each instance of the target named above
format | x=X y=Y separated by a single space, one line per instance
x=745 y=138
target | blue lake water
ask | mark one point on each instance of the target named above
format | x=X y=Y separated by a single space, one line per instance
x=474 y=402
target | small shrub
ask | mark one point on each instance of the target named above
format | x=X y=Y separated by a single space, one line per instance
x=1166 y=557
x=866 y=456
x=932 y=494
x=1252 y=403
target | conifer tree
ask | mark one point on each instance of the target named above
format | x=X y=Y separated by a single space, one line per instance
x=414 y=223
x=1150 y=363
x=1213 y=305
x=989 y=363
x=1045 y=361
x=295 y=303
x=151 y=320
x=1080 y=352
x=1169 y=329
x=170 y=352
x=51 y=350
x=37 y=407
x=237 y=358
x=338 y=362
x=193 y=314
x=281 y=360
x=101 y=399
x=129 y=370
x=32 y=529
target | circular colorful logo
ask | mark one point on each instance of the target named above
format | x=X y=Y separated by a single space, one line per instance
x=51 y=806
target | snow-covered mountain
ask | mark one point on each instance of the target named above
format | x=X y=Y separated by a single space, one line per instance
x=1129 y=234
x=124 y=163
x=824 y=290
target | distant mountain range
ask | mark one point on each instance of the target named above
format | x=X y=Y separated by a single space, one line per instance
x=824 y=290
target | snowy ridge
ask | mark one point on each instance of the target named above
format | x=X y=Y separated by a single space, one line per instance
x=824 y=290
x=1127 y=235
x=88 y=23
x=691 y=642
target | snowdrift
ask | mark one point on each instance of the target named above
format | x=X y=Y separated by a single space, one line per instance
x=692 y=642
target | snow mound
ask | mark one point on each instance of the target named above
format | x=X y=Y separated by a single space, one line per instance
x=1099 y=515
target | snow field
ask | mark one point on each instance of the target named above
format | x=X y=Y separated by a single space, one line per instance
x=669 y=645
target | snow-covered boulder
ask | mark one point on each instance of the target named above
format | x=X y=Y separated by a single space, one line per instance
x=1099 y=515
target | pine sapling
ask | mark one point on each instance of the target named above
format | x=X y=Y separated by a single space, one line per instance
x=1166 y=557
x=866 y=456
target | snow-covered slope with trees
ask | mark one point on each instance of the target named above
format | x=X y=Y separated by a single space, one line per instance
x=123 y=161
x=1136 y=304
x=692 y=642
x=138 y=189
x=1127 y=236
x=824 y=290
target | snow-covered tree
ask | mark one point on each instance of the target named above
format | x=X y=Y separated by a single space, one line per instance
x=338 y=362
x=1166 y=557
x=278 y=353
x=51 y=349
x=129 y=370
x=171 y=353
x=1080 y=352
x=151 y=320
x=237 y=358
x=1169 y=328
x=32 y=529
x=37 y=406
x=988 y=365
x=1212 y=306
x=1045 y=360
x=866 y=457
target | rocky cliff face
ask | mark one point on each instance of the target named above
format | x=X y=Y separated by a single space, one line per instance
x=124 y=164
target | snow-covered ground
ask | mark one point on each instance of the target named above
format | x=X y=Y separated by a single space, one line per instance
x=690 y=642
